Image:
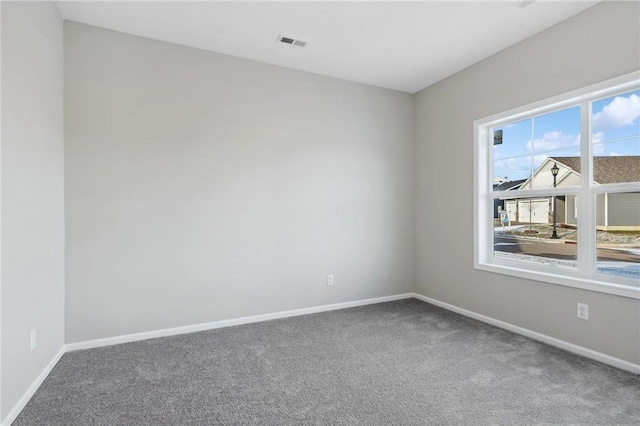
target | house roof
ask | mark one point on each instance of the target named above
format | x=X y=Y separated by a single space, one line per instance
x=505 y=186
x=613 y=169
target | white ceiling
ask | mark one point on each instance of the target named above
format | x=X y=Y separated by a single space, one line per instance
x=405 y=46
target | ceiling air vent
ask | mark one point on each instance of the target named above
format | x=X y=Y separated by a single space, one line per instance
x=292 y=41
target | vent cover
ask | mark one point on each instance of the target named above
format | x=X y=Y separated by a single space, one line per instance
x=291 y=40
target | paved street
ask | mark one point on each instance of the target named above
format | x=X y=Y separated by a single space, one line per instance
x=558 y=250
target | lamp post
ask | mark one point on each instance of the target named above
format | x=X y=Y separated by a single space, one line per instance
x=554 y=172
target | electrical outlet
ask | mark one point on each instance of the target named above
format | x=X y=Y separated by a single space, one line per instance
x=33 y=339
x=329 y=279
x=583 y=311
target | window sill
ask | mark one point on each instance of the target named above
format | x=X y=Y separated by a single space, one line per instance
x=547 y=276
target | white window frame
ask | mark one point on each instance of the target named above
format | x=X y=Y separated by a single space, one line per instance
x=585 y=276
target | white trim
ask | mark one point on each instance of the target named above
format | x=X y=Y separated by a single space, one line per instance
x=569 y=347
x=543 y=192
x=616 y=187
x=88 y=344
x=480 y=196
x=566 y=277
x=15 y=411
x=586 y=221
x=1 y=413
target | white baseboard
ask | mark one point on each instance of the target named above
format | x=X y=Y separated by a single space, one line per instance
x=228 y=323
x=570 y=347
x=13 y=414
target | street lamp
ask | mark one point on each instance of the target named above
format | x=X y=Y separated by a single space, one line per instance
x=554 y=172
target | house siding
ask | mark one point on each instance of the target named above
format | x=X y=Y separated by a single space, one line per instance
x=600 y=211
x=624 y=209
x=571 y=210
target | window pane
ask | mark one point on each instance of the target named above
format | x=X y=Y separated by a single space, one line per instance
x=617 y=161
x=524 y=230
x=556 y=131
x=512 y=153
x=618 y=234
x=616 y=117
x=521 y=152
x=556 y=141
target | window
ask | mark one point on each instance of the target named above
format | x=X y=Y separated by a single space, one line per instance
x=538 y=166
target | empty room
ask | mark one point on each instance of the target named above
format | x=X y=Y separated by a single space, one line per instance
x=320 y=213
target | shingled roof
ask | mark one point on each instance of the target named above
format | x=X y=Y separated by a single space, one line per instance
x=512 y=184
x=613 y=169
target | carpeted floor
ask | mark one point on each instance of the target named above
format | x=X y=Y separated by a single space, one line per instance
x=397 y=363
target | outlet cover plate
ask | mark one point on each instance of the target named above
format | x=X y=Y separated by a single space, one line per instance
x=583 y=311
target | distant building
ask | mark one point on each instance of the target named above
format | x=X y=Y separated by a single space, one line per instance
x=498 y=204
x=612 y=209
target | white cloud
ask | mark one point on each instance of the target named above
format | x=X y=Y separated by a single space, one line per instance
x=598 y=149
x=621 y=111
x=515 y=163
x=614 y=154
x=553 y=141
x=539 y=159
x=513 y=168
x=597 y=137
x=512 y=163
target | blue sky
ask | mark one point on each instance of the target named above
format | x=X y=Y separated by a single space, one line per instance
x=526 y=144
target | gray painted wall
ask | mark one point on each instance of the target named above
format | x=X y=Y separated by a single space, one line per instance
x=600 y=43
x=32 y=193
x=202 y=187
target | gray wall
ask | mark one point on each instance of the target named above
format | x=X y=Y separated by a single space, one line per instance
x=201 y=187
x=32 y=231
x=598 y=44
x=624 y=209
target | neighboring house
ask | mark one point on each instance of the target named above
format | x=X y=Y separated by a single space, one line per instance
x=504 y=185
x=621 y=209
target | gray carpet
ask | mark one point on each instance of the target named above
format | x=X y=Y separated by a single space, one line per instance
x=397 y=363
